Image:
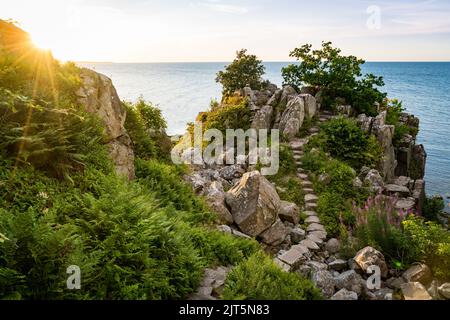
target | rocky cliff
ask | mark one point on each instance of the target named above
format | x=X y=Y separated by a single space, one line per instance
x=98 y=95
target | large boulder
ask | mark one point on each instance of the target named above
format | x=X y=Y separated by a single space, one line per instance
x=289 y=212
x=415 y=291
x=98 y=95
x=254 y=203
x=263 y=118
x=350 y=280
x=444 y=290
x=292 y=118
x=418 y=273
x=369 y=256
x=374 y=180
x=324 y=281
x=216 y=200
x=344 y=294
x=310 y=105
x=275 y=235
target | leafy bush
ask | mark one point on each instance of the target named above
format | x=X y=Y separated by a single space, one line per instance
x=245 y=70
x=258 y=278
x=336 y=75
x=345 y=140
x=165 y=182
x=228 y=116
x=402 y=237
x=431 y=244
x=145 y=125
x=433 y=206
x=394 y=109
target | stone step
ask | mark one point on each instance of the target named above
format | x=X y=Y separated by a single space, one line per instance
x=307 y=184
x=311 y=245
x=310 y=213
x=315 y=239
x=303 y=176
x=311 y=198
x=313 y=130
x=301 y=170
x=315 y=227
x=319 y=234
x=298 y=157
x=308 y=191
x=298 y=151
x=311 y=206
x=312 y=219
x=292 y=257
x=299 y=163
x=301 y=248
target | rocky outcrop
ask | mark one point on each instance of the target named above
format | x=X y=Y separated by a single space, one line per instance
x=263 y=118
x=98 y=95
x=292 y=118
x=254 y=203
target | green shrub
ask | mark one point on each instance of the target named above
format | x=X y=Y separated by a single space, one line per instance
x=345 y=140
x=258 y=278
x=165 y=182
x=433 y=206
x=430 y=243
x=145 y=125
x=334 y=212
x=228 y=116
x=220 y=248
x=245 y=70
x=394 y=109
x=337 y=76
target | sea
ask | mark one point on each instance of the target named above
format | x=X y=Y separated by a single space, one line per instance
x=182 y=90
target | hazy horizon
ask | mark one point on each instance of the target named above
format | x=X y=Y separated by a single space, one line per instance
x=151 y=31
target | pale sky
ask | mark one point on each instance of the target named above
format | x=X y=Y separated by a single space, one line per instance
x=212 y=30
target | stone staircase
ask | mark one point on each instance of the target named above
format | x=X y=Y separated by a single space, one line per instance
x=315 y=232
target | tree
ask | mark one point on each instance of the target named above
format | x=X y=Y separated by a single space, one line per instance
x=245 y=70
x=336 y=75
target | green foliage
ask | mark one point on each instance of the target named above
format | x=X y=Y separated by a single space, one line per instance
x=258 y=278
x=145 y=125
x=228 y=116
x=289 y=185
x=333 y=211
x=144 y=239
x=165 y=181
x=394 y=109
x=403 y=238
x=431 y=244
x=57 y=141
x=335 y=189
x=245 y=70
x=336 y=75
x=433 y=206
x=220 y=248
x=127 y=245
x=379 y=225
x=345 y=140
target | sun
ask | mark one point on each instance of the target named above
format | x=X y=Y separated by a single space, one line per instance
x=42 y=41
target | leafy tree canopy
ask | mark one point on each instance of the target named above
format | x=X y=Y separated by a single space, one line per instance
x=245 y=70
x=336 y=75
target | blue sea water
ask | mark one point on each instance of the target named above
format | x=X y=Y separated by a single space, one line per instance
x=183 y=89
